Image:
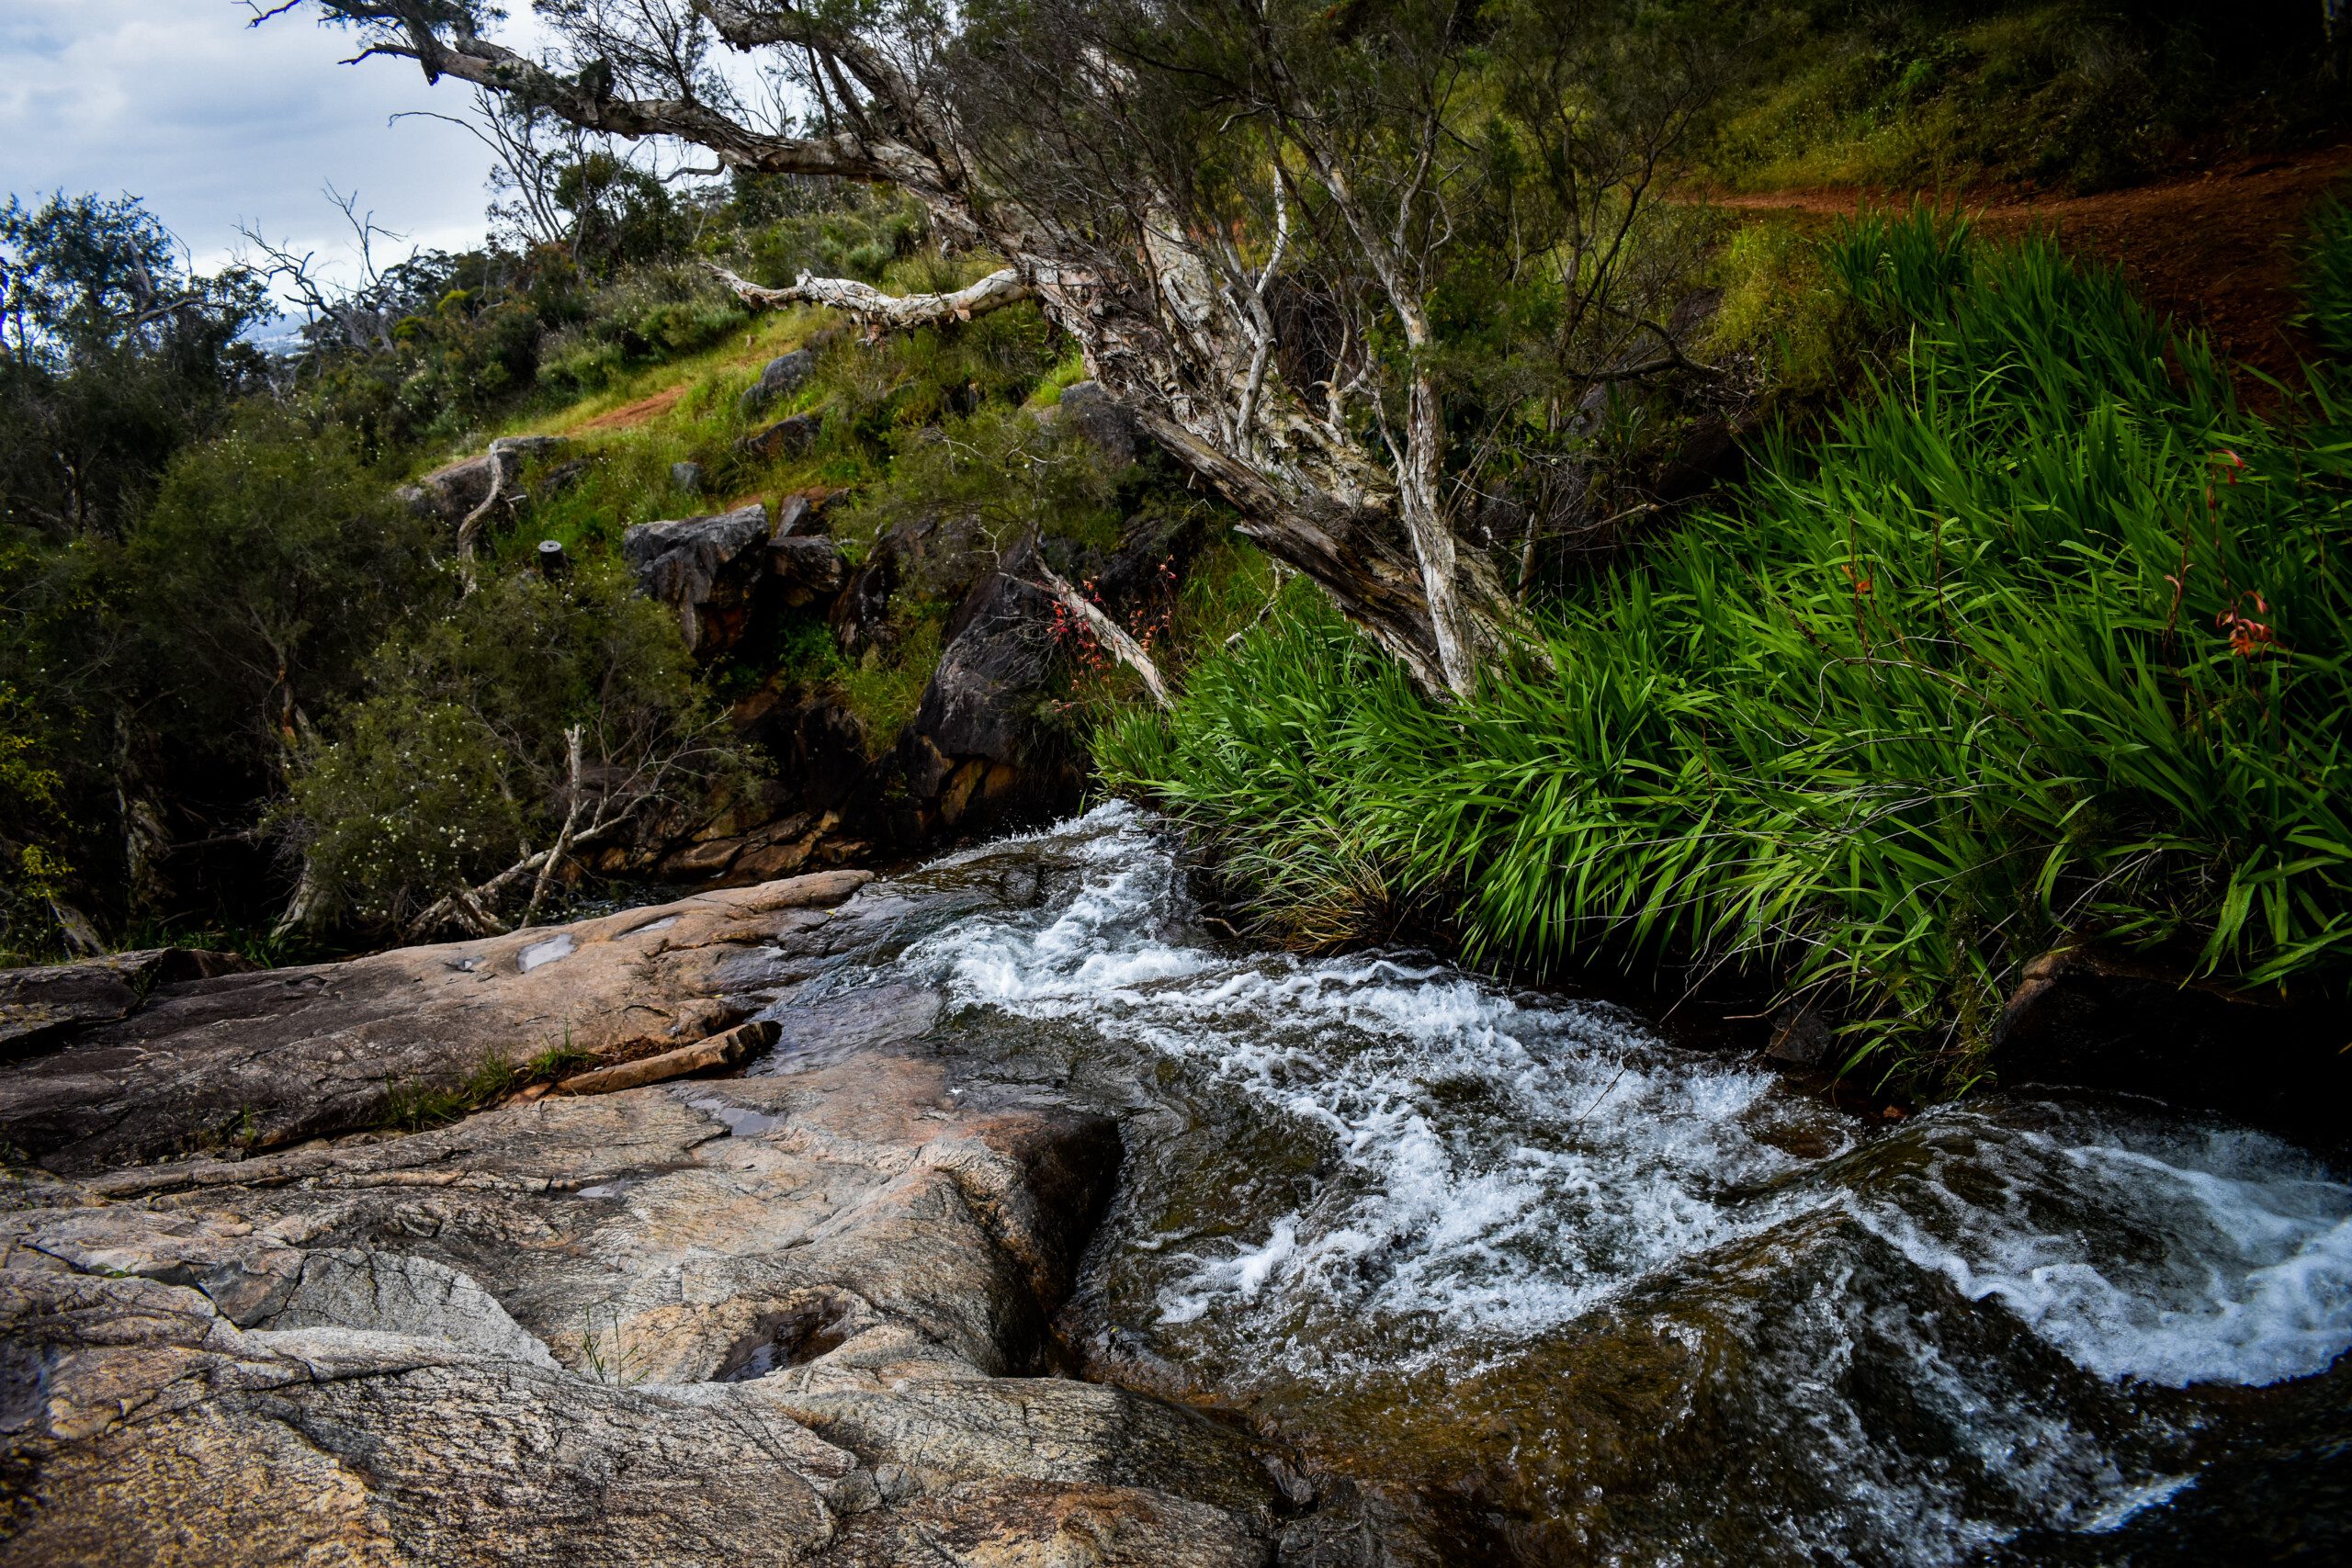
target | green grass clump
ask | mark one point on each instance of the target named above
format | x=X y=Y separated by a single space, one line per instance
x=2045 y=640
x=2328 y=281
x=1782 y=305
x=412 y=1107
x=884 y=688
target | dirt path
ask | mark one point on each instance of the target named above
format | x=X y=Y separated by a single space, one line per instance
x=630 y=415
x=2217 y=250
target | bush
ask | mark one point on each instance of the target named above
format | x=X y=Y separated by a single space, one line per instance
x=269 y=565
x=458 y=761
x=2047 y=640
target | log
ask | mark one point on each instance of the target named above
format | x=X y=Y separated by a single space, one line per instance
x=731 y=1049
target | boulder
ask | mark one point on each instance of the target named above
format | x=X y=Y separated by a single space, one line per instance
x=786 y=438
x=999 y=647
x=259 y=1059
x=562 y=478
x=450 y=494
x=687 y=478
x=2106 y=1019
x=800 y=1317
x=803 y=511
x=978 y=755
x=529 y=448
x=1093 y=413
x=782 y=377
x=706 y=568
x=807 y=569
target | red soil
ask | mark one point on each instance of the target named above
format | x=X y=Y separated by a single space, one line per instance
x=629 y=415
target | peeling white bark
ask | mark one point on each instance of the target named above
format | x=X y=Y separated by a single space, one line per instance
x=879 y=310
x=1107 y=632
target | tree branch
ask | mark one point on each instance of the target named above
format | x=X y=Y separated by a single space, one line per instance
x=1107 y=632
x=880 y=311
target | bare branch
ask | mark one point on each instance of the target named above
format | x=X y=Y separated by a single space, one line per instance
x=1107 y=632
x=880 y=311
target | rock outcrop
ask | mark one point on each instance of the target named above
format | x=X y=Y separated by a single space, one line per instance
x=2095 y=1016
x=454 y=489
x=801 y=1318
x=780 y=377
x=785 y=438
x=254 y=1060
x=1091 y=411
x=708 y=570
x=39 y=1004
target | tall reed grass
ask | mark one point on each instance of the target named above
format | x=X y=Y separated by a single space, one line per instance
x=2043 y=640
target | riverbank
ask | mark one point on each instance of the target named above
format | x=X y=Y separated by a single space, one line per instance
x=2041 y=646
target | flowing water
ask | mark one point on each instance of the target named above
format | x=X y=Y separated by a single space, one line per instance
x=1550 y=1290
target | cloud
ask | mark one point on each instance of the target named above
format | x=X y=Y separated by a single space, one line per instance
x=211 y=122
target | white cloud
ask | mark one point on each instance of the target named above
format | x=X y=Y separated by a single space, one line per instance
x=211 y=122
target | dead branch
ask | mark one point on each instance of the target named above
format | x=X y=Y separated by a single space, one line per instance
x=879 y=310
x=1107 y=632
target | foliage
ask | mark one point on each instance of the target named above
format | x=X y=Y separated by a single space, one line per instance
x=1782 y=305
x=111 y=358
x=2329 y=280
x=2046 y=640
x=1013 y=473
x=2076 y=94
x=793 y=225
x=32 y=875
x=650 y=315
x=884 y=687
x=269 y=565
x=458 y=760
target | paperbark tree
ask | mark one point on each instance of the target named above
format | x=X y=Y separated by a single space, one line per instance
x=1240 y=209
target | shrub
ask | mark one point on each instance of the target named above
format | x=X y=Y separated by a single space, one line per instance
x=458 y=762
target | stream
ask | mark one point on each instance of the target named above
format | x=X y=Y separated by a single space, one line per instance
x=1538 y=1287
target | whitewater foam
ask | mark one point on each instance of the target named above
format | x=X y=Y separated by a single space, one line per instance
x=1509 y=1163
x=1465 y=1170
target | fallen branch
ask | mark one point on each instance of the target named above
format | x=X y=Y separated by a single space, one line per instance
x=880 y=311
x=469 y=530
x=1107 y=632
x=470 y=910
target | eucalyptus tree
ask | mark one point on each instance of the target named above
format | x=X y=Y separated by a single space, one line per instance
x=1338 y=258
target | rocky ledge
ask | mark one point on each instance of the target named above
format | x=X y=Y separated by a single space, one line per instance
x=798 y=1318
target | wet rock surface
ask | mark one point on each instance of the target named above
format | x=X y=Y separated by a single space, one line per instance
x=2112 y=1020
x=1458 y=1273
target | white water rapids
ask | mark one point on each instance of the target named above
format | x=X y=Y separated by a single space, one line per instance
x=1492 y=1170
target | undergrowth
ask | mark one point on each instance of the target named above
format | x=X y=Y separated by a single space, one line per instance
x=2043 y=640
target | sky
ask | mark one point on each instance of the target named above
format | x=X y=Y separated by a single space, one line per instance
x=211 y=123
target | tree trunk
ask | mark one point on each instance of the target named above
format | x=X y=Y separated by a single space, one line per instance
x=1156 y=309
